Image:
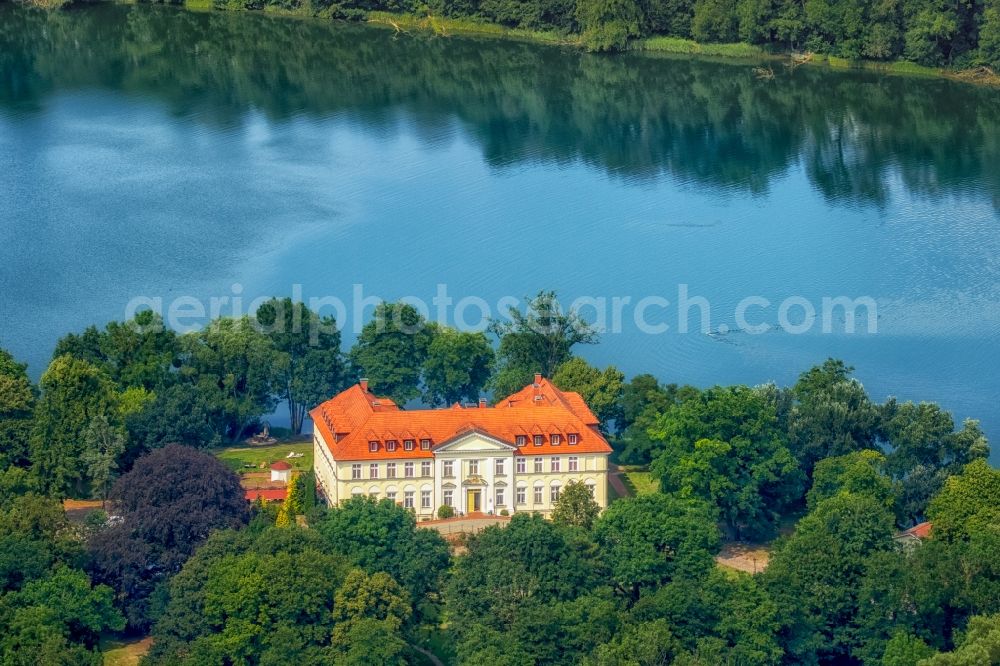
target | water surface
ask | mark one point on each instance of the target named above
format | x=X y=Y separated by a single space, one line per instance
x=152 y=151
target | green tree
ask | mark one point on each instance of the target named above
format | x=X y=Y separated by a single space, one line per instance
x=457 y=367
x=643 y=401
x=726 y=446
x=600 y=389
x=253 y=598
x=74 y=393
x=381 y=536
x=237 y=372
x=57 y=620
x=391 y=350
x=979 y=646
x=608 y=24
x=715 y=21
x=17 y=402
x=924 y=449
x=905 y=649
x=537 y=340
x=179 y=414
x=104 y=444
x=641 y=643
x=370 y=611
x=530 y=591
x=832 y=415
x=136 y=353
x=860 y=473
x=315 y=369
x=814 y=576
x=989 y=34
x=651 y=539
x=969 y=502
x=576 y=506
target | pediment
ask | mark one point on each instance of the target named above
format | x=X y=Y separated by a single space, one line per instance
x=474 y=441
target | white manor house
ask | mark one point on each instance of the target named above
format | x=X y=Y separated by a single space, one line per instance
x=514 y=456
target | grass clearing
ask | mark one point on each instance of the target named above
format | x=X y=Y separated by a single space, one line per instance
x=237 y=457
x=665 y=44
x=125 y=652
x=640 y=482
x=463 y=26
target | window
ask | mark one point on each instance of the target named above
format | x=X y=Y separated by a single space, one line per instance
x=407 y=444
x=538 y=495
x=522 y=496
x=590 y=487
x=390 y=445
x=373 y=447
x=556 y=439
x=572 y=439
x=473 y=467
x=449 y=468
x=554 y=494
x=373 y=471
x=391 y=495
x=408 y=470
x=425 y=499
x=425 y=468
x=498 y=467
x=408 y=499
x=555 y=464
x=425 y=444
x=522 y=465
x=538 y=466
x=574 y=463
x=500 y=497
x=539 y=440
x=449 y=497
x=356 y=471
x=521 y=440
x=390 y=470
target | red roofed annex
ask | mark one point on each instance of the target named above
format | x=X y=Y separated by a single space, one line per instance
x=514 y=456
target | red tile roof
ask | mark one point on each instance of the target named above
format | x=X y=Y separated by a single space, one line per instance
x=268 y=494
x=921 y=531
x=355 y=417
x=280 y=465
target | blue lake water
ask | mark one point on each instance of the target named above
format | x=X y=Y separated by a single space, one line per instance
x=155 y=152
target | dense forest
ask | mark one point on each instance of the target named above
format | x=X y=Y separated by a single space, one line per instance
x=856 y=136
x=131 y=412
x=928 y=32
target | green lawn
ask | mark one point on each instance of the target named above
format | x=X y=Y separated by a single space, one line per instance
x=128 y=652
x=640 y=482
x=238 y=456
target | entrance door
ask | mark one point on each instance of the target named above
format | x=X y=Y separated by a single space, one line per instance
x=472 y=500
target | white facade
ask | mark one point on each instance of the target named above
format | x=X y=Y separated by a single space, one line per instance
x=473 y=471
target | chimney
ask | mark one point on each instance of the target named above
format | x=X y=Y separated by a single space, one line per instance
x=364 y=383
x=538 y=378
x=482 y=403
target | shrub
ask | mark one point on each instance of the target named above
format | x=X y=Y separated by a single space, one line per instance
x=608 y=24
x=445 y=511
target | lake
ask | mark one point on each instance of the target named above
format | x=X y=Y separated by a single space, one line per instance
x=159 y=153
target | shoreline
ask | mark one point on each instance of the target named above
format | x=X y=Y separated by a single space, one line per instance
x=656 y=44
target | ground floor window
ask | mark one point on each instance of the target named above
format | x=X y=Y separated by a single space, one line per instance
x=555 y=494
x=522 y=495
x=408 y=499
x=425 y=499
x=538 y=495
x=449 y=498
x=391 y=495
x=500 y=497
